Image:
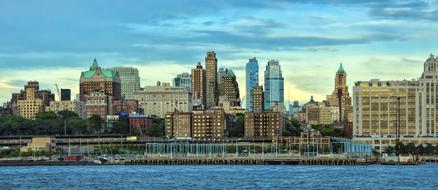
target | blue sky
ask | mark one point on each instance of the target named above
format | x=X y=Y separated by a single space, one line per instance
x=53 y=41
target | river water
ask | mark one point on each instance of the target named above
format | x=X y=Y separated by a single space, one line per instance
x=220 y=177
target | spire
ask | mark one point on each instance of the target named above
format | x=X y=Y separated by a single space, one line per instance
x=341 y=69
x=95 y=66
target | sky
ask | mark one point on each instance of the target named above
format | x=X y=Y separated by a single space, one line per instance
x=53 y=41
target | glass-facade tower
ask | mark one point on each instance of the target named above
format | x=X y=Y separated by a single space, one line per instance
x=274 y=85
x=252 y=81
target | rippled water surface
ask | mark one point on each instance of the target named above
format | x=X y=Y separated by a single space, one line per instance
x=220 y=177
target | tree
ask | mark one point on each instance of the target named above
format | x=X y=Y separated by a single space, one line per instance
x=46 y=115
x=390 y=150
x=292 y=128
x=237 y=130
x=119 y=127
x=157 y=128
x=65 y=114
x=95 y=124
x=327 y=130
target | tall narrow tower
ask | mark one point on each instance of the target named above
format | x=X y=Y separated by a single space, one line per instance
x=340 y=96
x=211 y=79
x=198 y=86
x=252 y=81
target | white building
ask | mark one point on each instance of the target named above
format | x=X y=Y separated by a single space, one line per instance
x=160 y=99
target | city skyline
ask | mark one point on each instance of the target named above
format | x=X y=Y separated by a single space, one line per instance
x=371 y=42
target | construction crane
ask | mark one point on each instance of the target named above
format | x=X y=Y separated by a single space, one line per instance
x=58 y=92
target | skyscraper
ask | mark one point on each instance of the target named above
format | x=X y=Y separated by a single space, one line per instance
x=97 y=79
x=183 y=80
x=129 y=81
x=274 y=85
x=199 y=87
x=340 y=97
x=211 y=79
x=252 y=80
x=230 y=88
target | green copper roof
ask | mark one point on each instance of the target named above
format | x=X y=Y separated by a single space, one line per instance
x=229 y=73
x=96 y=69
x=341 y=69
x=95 y=66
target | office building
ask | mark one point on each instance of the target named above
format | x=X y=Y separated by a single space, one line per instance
x=178 y=125
x=183 y=80
x=97 y=79
x=31 y=105
x=129 y=81
x=98 y=103
x=162 y=98
x=199 y=90
x=258 y=99
x=206 y=125
x=211 y=80
x=267 y=124
x=251 y=81
x=274 y=85
x=30 y=101
x=321 y=114
x=230 y=88
x=340 y=97
x=380 y=107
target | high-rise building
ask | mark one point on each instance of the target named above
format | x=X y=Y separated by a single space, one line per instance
x=274 y=85
x=321 y=114
x=65 y=94
x=211 y=79
x=220 y=76
x=26 y=103
x=97 y=79
x=230 y=88
x=258 y=99
x=163 y=98
x=380 y=107
x=199 y=90
x=183 y=80
x=267 y=124
x=206 y=125
x=129 y=81
x=427 y=97
x=98 y=103
x=178 y=125
x=31 y=105
x=251 y=81
x=340 y=97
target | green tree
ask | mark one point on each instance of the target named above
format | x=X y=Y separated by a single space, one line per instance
x=238 y=126
x=95 y=124
x=49 y=115
x=292 y=128
x=157 y=128
x=119 y=127
x=65 y=114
